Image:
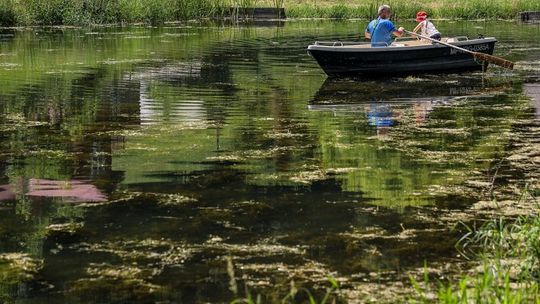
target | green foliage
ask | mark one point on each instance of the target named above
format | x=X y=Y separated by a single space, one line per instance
x=296 y=295
x=48 y=12
x=244 y=3
x=73 y=12
x=510 y=251
x=278 y=3
x=489 y=287
x=76 y=12
x=8 y=15
x=100 y=11
x=460 y=9
x=188 y=9
x=511 y=244
x=339 y=11
x=157 y=11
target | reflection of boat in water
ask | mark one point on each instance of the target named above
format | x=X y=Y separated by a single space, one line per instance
x=401 y=57
x=337 y=92
x=380 y=115
x=383 y=102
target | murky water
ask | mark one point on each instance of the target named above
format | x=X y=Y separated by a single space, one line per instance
x=136 y=162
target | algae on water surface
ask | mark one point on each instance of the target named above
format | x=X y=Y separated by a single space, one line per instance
x=153 y=156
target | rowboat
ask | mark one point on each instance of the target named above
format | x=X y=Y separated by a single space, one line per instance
x=407 y=56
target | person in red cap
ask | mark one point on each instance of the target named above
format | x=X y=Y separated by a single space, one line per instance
x=427 y=27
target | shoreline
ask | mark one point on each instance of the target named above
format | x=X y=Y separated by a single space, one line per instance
x=156 y=12
x=246 y=21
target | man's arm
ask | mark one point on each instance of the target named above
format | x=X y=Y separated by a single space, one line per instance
x=367 y=32
x=399 y=32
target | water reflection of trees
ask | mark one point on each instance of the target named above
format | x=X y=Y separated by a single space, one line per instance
x=56 y=158
x=81 y=116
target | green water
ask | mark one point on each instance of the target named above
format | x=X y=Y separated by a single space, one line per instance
x=135 y=162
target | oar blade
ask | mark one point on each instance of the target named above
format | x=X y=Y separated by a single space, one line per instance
x=495 y=60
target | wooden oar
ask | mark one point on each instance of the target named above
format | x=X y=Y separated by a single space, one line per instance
x=477 y=55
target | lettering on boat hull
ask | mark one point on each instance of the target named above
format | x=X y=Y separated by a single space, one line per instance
x=474 y=48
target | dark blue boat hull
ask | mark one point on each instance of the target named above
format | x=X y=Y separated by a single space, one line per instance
x=400 y=61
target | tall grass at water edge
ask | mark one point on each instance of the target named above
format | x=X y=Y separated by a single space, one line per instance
x=77 y=12
x=457 y=9
x=509 y=249
x=81 y=12
x=486 y=288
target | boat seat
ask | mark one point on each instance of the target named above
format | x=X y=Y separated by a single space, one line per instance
x=457 y=39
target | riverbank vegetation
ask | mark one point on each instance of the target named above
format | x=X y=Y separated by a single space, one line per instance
x=507 y=252
x=76 y=12
x=459 y=9
x=84 y=12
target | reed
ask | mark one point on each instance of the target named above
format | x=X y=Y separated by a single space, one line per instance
x=458 y=9
x=278 y=4
x=238 y=7
x=509 y=249
x=244 y=3
x=80 y=12
x=489 y=287
x=345 y=11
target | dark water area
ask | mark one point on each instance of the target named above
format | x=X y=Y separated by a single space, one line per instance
x=138 y=164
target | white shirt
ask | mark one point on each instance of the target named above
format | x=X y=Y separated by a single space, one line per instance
x=428 y=29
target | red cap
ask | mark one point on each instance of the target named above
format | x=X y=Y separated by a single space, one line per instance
x=421 y=16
